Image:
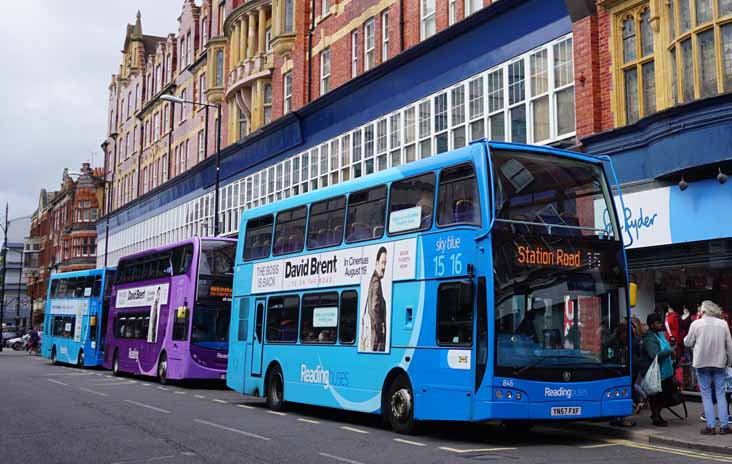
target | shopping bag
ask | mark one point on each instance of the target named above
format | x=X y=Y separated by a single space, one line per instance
x=728 y=380
x=652 y=381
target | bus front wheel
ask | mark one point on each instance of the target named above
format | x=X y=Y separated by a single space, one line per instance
x=80 y=360
x=115 y=364
x=163 y=369
x=399 y=407
x=276 y=390
x=53 y=355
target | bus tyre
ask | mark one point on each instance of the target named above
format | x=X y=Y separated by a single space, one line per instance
x=54 y=361
x=399 y=406
x=80 y=359
x=163 y=369
x=115 y=364
x=275 y=390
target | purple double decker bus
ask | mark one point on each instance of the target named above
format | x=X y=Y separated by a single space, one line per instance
x=170 y=311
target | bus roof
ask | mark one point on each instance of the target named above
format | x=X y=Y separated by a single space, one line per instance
x=175 y=244
x=84 y=273
x=432 y=163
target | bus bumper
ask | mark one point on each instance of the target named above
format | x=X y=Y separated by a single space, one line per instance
x=498 y=410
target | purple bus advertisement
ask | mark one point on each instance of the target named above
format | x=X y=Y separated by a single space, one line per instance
x=170 y=311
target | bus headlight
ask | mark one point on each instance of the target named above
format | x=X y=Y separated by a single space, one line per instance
x=624 y=392
x=609 y=395
x=617 y=393
x=518 y=396
x=499 y=394
x=509 y=395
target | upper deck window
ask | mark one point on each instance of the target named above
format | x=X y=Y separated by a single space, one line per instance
x=458 y=199
x=366 y=214
x=290 y=231
x=326 y=222
x=411 y=204
x=258 y=237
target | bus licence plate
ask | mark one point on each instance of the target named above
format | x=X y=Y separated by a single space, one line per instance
x=566 y=411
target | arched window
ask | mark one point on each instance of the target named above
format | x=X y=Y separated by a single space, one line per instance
x=638 y=68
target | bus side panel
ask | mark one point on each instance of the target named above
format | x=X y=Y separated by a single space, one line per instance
x=235 y=370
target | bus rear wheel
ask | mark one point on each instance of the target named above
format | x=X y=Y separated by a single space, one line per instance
x=54 y=360
x=80 y=359
x=115 y=364
x=399 y=406
x=163 y=369
x=275 y=390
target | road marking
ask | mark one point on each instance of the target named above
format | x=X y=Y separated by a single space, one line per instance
x=98 y=375
x=245 y=406
x=475 y=450
x=351 y=429
x=108 y=384
x=179 y=392
x=679 y=452
x=92 y=391
x=338 y=458
x=309 y=421
x=148 y=406
x=146 y=384
x=408 y=442
x=216 y=400
x=200 y=396
x=223 y=427
x=277 y=413
x=144 y=460
x=58 y=382
x=604 y=445
x=162 y=388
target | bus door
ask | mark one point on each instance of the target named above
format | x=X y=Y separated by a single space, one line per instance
x=258 y=337
x=238 y=338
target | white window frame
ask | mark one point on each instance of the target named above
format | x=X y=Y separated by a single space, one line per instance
x=354 y=53
x=201 y=146
x=369 y=41
x=426 y=15
x=287 y=92
x=384 y=36
x=452 y=12
x=325 y=71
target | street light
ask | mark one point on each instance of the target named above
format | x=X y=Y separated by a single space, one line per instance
x=4 y=228
x=108 y=199
x=174 y=99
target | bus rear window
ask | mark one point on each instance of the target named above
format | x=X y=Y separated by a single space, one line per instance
x=458 y=200
x=326 y=223
x=258 y=237
x=366 y=215
x=290 y=231
x=411 y=204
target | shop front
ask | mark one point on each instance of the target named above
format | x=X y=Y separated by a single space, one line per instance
x=679 y=248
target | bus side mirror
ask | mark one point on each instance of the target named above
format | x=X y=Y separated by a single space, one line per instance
x=93 y=321
x=467 y=289
x=633 y=294
x=182 y=312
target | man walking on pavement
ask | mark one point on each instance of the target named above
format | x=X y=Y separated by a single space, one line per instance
x=710 y=339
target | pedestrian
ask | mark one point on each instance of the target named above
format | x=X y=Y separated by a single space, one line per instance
x=655 y=345
x=639 y=365
x=710 y=339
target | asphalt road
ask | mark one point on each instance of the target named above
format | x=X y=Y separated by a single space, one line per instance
x=57 y=414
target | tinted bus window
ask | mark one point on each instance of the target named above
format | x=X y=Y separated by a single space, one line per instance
x=411 y=204
x=319 y=318
x=366 y=215
x=181 y=259
x=326 y=223
x=290 y=231
x=454 y=315
x=458 y=200
x=132 y=325
x=64 y=326
x=347 y=317
x=282 y=319
x=243 y=319
x=258 y=237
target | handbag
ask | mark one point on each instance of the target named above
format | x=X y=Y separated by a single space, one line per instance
x=676 y=398
x=651 y=384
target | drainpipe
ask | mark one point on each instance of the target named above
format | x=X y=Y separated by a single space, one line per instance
x=310 y=50
x=401 y=25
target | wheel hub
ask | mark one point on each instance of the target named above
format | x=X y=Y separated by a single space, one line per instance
x=401 y=404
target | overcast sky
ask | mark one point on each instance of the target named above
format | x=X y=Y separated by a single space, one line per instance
x=57 y=59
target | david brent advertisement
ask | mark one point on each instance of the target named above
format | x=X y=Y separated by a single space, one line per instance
x=153 y=296
x=373 y=267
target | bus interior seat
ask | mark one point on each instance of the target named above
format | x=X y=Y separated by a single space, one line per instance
x=359 y=231
x=464 y=211
x=378 y=231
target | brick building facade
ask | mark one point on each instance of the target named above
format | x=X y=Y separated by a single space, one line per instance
x=63 y=235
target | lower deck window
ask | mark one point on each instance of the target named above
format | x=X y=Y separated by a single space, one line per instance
x=454 y=315
x=282 y=315
x=132 y=325
x=64 y=326
x=319 y=318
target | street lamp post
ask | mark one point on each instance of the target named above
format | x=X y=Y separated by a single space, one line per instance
x=5 y=268
x=174 y=99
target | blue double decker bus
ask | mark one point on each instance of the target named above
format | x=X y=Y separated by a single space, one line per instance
x=76 y=316
x=480 y=284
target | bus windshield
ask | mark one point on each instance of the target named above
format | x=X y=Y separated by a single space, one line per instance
x=560 y=301
x=213 y=303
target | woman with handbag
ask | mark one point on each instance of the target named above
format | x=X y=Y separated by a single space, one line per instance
x=655 y=346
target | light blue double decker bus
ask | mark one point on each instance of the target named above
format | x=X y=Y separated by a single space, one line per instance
x=76 y=316
x=480 y=284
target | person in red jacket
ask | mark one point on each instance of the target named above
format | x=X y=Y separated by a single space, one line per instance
x=673 y=330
